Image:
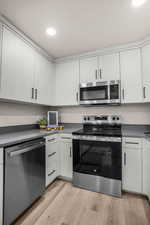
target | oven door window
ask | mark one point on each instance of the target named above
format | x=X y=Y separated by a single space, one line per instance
x=114 y=91
x=97 y=158
x=94 y=93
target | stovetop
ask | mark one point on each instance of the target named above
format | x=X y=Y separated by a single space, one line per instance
x=102 y=132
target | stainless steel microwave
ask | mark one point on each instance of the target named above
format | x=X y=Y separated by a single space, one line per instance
x=94 y=93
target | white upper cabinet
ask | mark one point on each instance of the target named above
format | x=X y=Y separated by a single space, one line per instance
x=131 y=80
x=109 y=67
x=67 y=83
x=146 y=72
x=17 y=74
x=100 y=68
x=88 y=69
x=44 y=80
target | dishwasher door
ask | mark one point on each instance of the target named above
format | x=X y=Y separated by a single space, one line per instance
x=24 y=177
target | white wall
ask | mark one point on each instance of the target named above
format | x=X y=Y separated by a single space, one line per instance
x=19 y=114
x=131 y=114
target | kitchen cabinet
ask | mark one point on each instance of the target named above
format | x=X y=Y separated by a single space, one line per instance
x=146 y=167
x=66 y=167
x=132 y=164
x=17 y=72
x=52 y=158
x=44 y=80
x=146 y=72
x=67 y=83
x=131 y=80
x=100 y=68
x=1 y=186
x=88 y=69
x=109 y=67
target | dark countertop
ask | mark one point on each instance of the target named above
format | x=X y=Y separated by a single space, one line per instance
x=14 y=136
x=135 y=130
x=11 y=138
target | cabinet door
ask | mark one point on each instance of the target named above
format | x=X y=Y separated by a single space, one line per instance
x=44 y=80
x=131 y=81
x=131 y=171
x=146 y=168
x=146 y=72
x=67 y=83
x=66 y=159
x=17 y=68
x=89 y=69
x=109 y=67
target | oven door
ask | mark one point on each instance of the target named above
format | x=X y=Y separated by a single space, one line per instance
x=98 y=157
x=94 y=94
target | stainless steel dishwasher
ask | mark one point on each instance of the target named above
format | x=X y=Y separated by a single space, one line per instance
x=24 y=177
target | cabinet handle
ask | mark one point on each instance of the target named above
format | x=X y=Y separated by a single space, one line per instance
x=96 y=74
x=70 y=152
x=124 y=158
x=36 y=93
x=131 y=143
x=123 y=93
x=53 y=139
x=77 y=96
x=51 y=172
x=144 y=92
x=100 y=73
x=32 y=95
x=51 y=154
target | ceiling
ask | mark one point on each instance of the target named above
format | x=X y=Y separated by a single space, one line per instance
x=82 y=25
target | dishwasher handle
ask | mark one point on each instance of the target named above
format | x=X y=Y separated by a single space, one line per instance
x=27 y=149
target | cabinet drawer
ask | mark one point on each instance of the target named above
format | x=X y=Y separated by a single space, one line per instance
x=52 y=163
x=135 y=143
x=66 y=137
x=51 y=138
x=52 y=174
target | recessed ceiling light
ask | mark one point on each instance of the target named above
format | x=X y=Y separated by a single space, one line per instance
x=51 y=31
x=138 y=3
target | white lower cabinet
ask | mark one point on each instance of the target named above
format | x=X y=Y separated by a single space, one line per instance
x=1 y=186
x=146 y=167
x=132 y=164
x=52 y=158
x=65 y=145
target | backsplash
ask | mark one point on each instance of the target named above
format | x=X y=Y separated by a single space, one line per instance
x=20 y=114
x=130 y=114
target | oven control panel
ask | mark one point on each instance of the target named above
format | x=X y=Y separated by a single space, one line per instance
x=102 y=119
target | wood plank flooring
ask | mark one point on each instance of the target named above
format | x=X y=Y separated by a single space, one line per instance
x=63 y=204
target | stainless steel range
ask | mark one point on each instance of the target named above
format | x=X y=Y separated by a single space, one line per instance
x=97 y=155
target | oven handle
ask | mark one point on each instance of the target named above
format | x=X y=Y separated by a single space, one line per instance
x=94 y=138
x=18 y=152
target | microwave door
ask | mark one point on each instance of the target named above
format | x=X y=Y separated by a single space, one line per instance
x=94 y=95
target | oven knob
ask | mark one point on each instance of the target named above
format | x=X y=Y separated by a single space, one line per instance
x=114 y=118
x=117 y=118
x=85 y=118
x=88 y=118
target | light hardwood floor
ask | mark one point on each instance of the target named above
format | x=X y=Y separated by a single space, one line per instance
x=63 y=204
